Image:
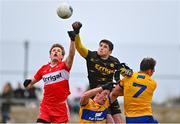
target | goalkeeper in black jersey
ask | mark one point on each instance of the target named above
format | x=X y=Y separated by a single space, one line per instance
x=101 y=68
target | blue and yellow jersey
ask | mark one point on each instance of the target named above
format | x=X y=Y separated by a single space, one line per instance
x=92 y=112
x=138 y=92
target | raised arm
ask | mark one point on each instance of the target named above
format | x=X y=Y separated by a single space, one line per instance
x=70 y=57
x=83 y=51
x=117 y=91
x=88 y=94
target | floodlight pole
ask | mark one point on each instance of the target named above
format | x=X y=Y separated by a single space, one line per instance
x=26 y=56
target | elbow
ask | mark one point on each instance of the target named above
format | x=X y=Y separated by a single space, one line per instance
x=114 y=96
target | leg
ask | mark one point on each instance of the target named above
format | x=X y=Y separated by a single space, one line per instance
x=116 y=112
x=43 y=116
x=60 y=113
x=117 y=118
x=5 y=117
x=109 y=118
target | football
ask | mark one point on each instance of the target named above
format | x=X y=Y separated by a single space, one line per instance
x=64 y=11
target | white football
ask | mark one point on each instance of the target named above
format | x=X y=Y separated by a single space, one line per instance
x=64 y=11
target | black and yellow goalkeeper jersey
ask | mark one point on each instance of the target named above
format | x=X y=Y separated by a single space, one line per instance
x=99 y=71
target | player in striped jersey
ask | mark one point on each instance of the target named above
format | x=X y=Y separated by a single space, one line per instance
x=55 y=75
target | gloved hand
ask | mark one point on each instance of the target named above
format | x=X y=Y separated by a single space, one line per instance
x=108 y=86
x=27 y=82
x=76 y=26
x=123 y=65
x=72 y=35
x=125 y=70
x=129 y=72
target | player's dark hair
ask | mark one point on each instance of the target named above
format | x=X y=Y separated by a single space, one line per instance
x=57 y=45
x=109 y=43
x=147 y=63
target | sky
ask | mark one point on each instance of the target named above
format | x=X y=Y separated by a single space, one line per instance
x=138 y=29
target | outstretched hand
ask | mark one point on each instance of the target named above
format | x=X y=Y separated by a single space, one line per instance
x=76 y=26
x=72 y=35
x=129 y=72
x=125 y=70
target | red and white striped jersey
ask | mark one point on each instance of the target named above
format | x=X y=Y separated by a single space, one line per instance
x=56 y=82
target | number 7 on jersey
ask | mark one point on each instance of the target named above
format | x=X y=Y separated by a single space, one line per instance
x=142 y=88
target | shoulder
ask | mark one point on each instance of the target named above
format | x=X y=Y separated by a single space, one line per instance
x=89 y=103
x=44 y=66
x=135 y=74
x=114 y=59
x=127 y=78
x=92 y=54
x=152 y=81
x=40 y=71
x=63 y=65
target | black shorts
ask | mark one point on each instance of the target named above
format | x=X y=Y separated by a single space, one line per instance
x=114 y=108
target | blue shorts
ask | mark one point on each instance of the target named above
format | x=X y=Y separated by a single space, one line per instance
x=141 y=119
